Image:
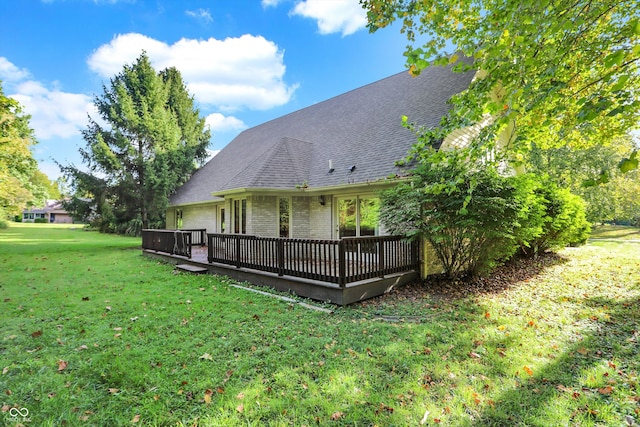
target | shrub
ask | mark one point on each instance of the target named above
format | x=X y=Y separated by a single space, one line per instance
x=40 y=221
x=555 y=218
x=469 y=213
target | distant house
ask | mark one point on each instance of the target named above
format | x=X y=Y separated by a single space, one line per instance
x=315 y=173
x=52 y=212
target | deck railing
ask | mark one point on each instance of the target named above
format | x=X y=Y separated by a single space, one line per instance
x=198 y=236
x=175 y=242
x=336 y=261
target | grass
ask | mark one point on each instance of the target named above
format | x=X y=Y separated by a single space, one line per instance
x=93 y=333
x=616 y=232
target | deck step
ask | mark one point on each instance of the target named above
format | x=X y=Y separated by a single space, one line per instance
x=191 y=268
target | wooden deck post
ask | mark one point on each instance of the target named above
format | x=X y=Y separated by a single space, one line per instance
x=342 y=264
x=280 y=256
x=381 y=257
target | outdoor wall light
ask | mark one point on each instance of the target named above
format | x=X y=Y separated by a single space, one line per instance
x=331 y=169
x=322 y=200
x=352 y=168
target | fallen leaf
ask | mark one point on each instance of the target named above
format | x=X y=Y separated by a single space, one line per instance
x=487 y=315
x=82 y=347
x=6 y=408
x=62 y=365
x=5 y=370
x=118 y=328
x=474 y=355
x=207 y=396
x=59 y=341
x=605 y=390
x=240 y=396
x=114 y=390
x=528 y=370
x=133 y=319
x=425 y=417
x=36 y=334
x=108 y=308
x=336 y=416
x=240 y=408
x=136 y=418
x=206 y=356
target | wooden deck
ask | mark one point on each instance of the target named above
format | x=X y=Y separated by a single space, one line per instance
x=354 y=270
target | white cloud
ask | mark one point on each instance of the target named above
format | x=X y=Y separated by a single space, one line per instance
x=220 y=123
x=346 y=16
x=53 y=113
x=11 y=73
x=202 y=15
x=234 y=73
x=268 y=3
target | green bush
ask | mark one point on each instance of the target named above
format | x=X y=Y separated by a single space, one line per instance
x=40 y=221
x=469 y=213
x=554 y=217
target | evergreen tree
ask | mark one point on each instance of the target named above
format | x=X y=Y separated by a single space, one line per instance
x=152 y=141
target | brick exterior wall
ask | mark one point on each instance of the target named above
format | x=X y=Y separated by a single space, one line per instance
x=320 y=218
x=300 y=227
x=198 y=217
x=263 y=220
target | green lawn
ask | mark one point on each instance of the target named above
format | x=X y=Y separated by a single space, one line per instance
x=93 y=333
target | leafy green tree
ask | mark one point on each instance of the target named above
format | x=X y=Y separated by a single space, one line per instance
x=553 y=72
x=20 y=182
x=153 y=140
x=469 y=213
x=593 y=174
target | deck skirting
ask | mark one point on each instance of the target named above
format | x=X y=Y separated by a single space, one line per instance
x=313 y=289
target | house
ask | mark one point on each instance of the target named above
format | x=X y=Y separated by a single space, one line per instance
x=315 y=173
x=293 y=203
x=52 y=212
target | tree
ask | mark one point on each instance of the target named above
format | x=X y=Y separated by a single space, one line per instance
x=593 y=174
x=153 y=140
x=19 y=179
x=551 y=72
x=468 y=213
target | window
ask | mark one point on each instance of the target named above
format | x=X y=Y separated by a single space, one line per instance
x=178 y=218
x=358 y=217
x=221 y=216
x=284 y=217
x=240 y=216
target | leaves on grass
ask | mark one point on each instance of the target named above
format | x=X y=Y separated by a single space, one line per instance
x=113 y=390
x=337 y=415
x=240 y=408
x=206 y=356
x=36 y=334
x=606 y=390
x=208 y=393
x=136 y=418
x=62 y=365
x=528 y=370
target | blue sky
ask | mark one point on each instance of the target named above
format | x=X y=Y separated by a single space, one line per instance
x=245 y=61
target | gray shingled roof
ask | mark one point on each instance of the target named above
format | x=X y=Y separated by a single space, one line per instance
x=360 y=128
